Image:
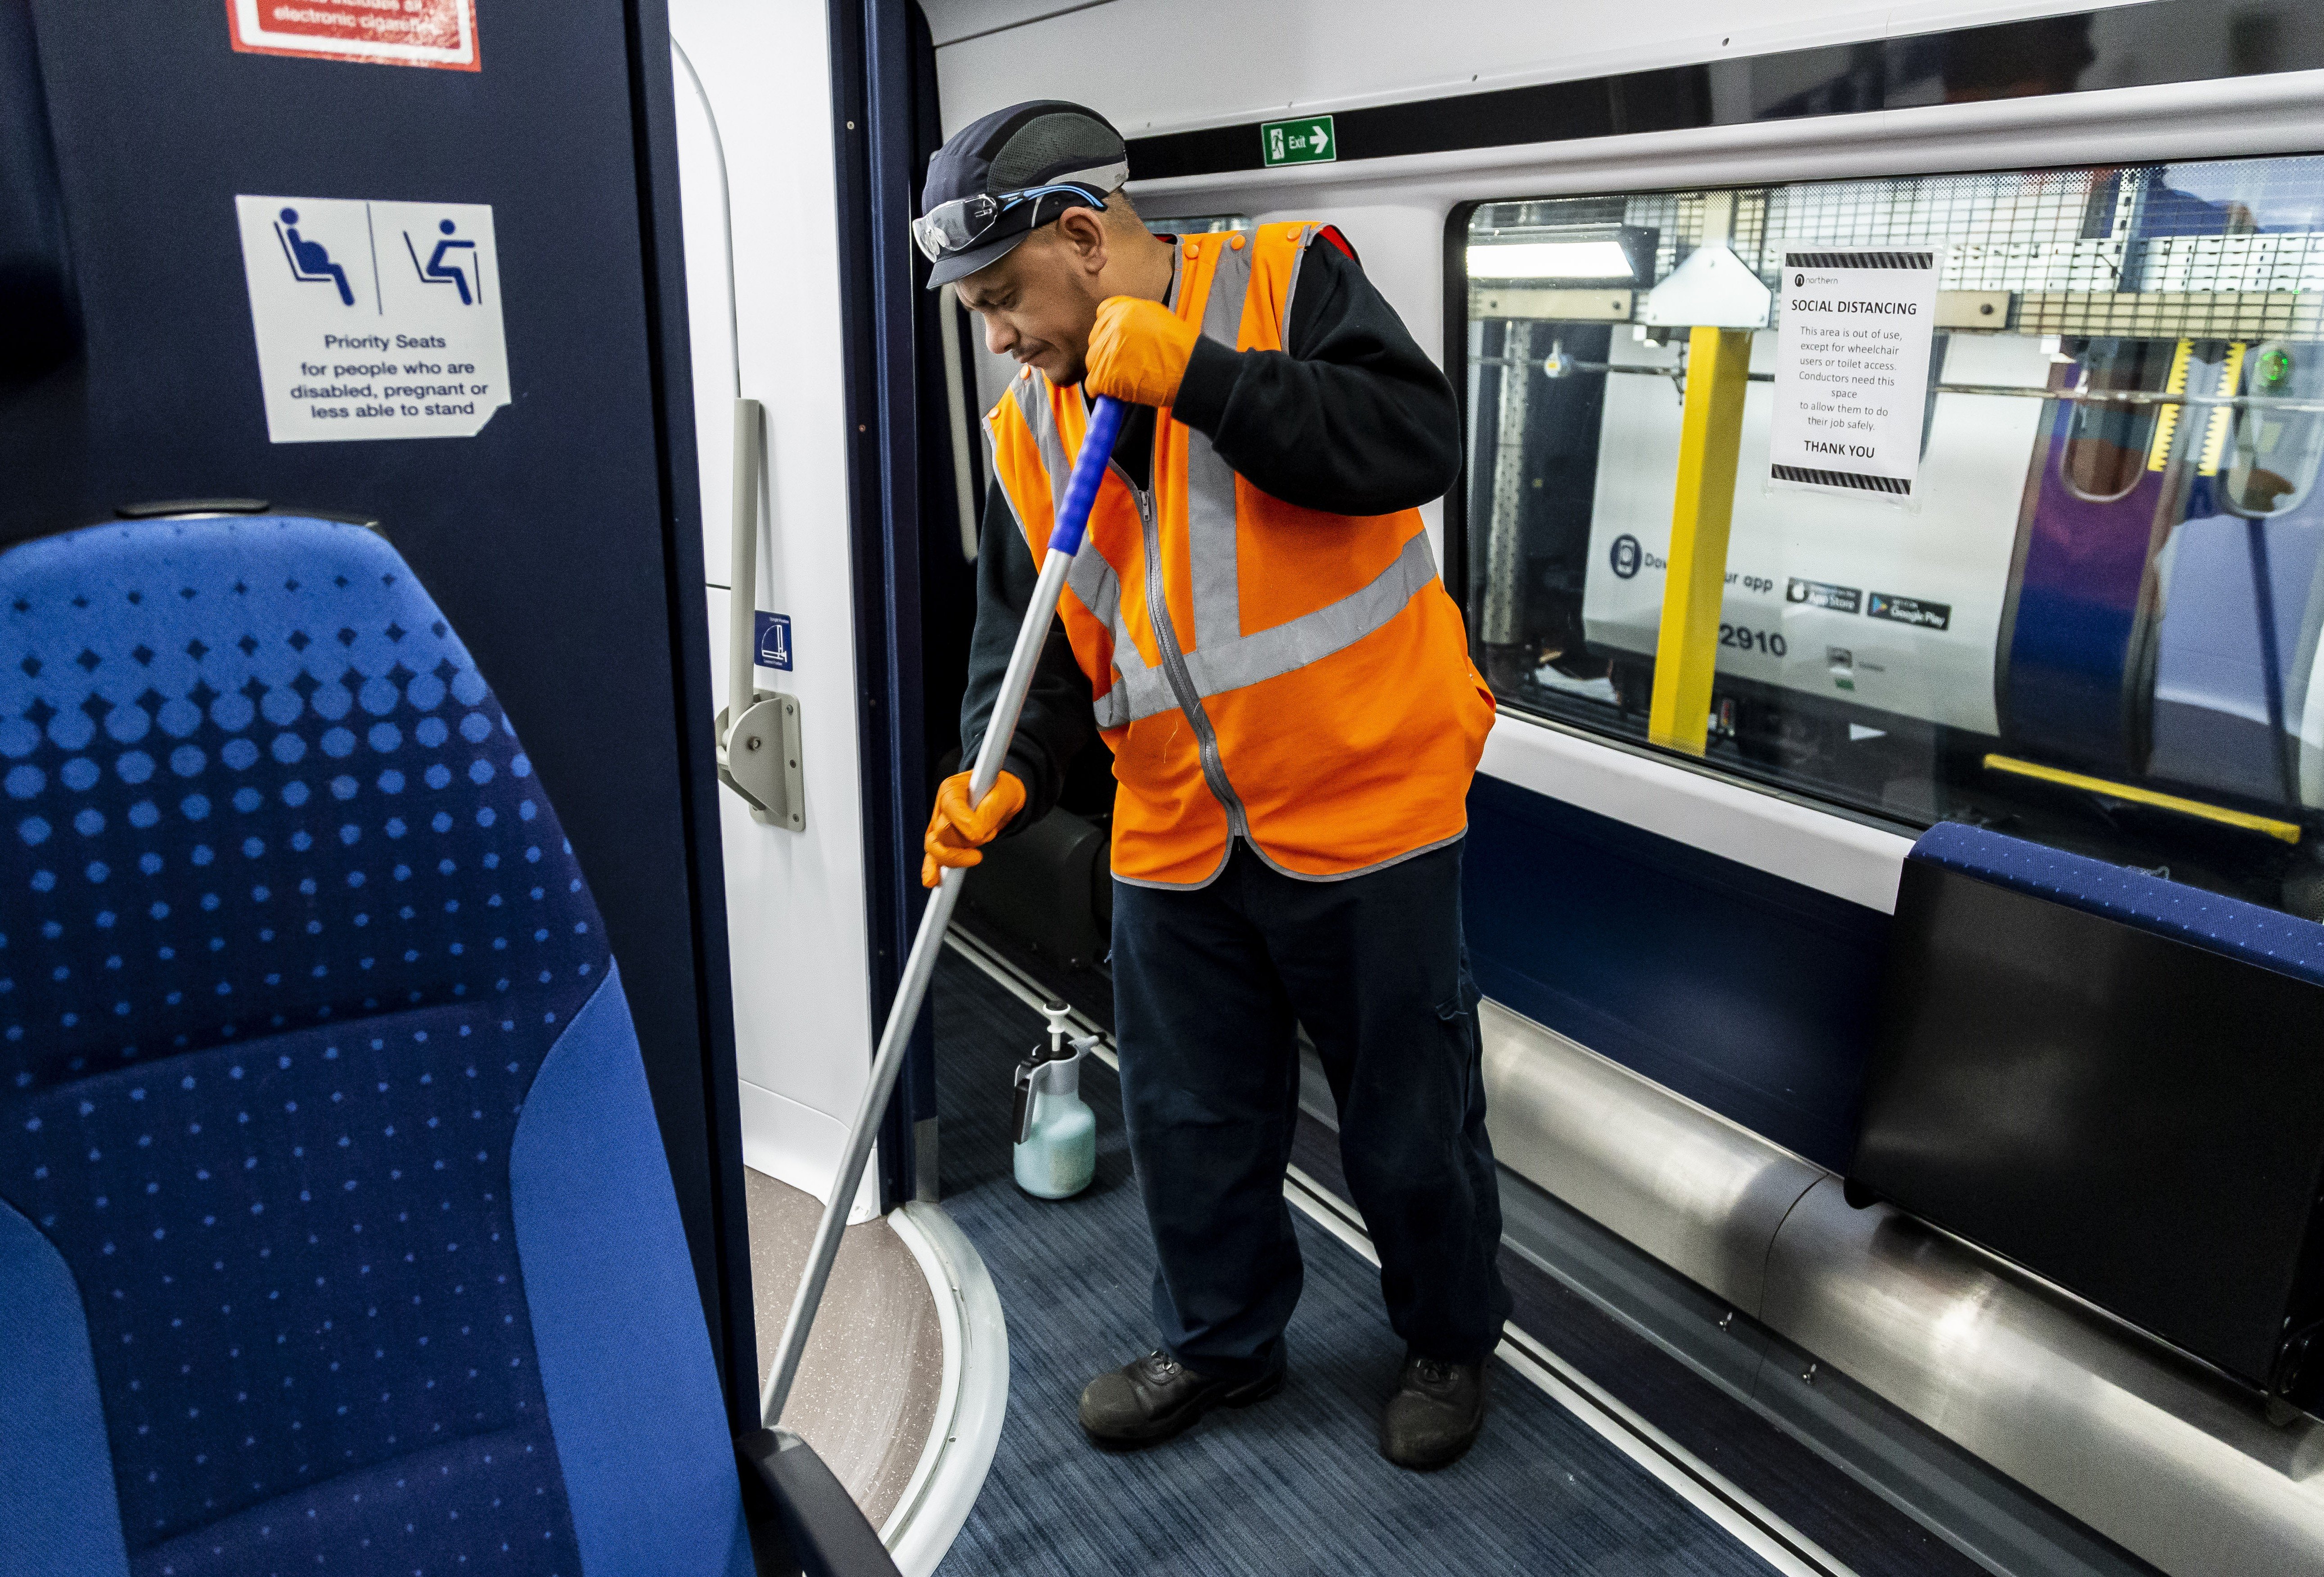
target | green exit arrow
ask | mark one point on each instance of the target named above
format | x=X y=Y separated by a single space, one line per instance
x=1299 y=142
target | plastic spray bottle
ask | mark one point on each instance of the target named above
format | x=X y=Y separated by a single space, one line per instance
x=1056 y=1131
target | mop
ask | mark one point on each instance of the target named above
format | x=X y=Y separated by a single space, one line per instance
x=919 y=967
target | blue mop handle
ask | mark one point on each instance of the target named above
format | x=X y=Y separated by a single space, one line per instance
x=1089 y=470
x=920 y=964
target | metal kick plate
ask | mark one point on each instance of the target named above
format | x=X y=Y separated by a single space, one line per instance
x=762 y=761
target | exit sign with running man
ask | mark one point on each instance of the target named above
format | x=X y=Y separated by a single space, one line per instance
x=1302 y=142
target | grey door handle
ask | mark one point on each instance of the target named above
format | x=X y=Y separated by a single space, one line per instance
x=759 y=752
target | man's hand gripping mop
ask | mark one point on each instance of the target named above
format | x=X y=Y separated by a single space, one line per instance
x=1064 y=542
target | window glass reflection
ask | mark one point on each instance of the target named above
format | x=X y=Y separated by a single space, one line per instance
x=2096 y=620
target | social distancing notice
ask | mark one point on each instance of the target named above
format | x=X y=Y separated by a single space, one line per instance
x=373 y=320
x=1852 y=370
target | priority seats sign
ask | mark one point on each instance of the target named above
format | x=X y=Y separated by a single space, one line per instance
x=373 y=320
x=441 y=34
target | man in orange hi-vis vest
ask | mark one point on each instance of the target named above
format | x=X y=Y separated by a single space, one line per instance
x=1256 y=628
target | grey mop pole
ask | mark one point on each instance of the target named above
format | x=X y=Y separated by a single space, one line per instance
x=1064 y=542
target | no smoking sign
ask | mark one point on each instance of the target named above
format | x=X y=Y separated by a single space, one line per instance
x=441 y=34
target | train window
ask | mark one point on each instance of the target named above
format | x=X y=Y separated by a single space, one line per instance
x=2279 y=431
x=2105 y=452
x=2097 y=618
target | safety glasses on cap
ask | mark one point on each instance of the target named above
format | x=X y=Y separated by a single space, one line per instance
x=962 y=223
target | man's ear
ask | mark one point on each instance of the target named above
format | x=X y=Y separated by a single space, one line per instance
x=1082 y=232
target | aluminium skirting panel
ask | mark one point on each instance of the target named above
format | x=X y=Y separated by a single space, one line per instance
x=2177 y=1467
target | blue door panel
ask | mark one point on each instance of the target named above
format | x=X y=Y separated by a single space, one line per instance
x=1746 y=992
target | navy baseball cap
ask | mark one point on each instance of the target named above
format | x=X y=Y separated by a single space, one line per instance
x=998 y=180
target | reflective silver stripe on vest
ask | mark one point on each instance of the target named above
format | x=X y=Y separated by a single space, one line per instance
x=1033 y=403
x=1091 y=579
x=1111 y=709
x=1223 y=658
x=1211 y=481
x=1140 y=691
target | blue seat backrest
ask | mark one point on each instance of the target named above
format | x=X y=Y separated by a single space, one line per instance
x=336 y=1232
x=2263 y=936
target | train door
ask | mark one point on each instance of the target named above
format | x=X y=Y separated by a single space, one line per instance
x=753 y=97
x=2238 y=614
x=801 y=135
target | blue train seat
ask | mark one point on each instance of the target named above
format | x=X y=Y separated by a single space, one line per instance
x=2111 y=1079
x=336 y=1232
x=2267 y=939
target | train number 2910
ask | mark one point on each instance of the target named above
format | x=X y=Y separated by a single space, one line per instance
x=1770 y=641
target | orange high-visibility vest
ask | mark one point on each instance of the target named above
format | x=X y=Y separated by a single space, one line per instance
x=1296 y=677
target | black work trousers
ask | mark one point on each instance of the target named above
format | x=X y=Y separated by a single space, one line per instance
x=1210 y=985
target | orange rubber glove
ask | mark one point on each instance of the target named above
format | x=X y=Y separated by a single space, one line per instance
x=955 y=832
x=1139 y=351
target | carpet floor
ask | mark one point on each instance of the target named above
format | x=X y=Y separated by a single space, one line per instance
x=1296 y=1485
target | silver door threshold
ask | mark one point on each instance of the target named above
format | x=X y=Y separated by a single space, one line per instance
x=905 y=1381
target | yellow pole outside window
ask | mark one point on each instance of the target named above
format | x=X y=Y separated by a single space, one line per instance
x=1686 y=648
